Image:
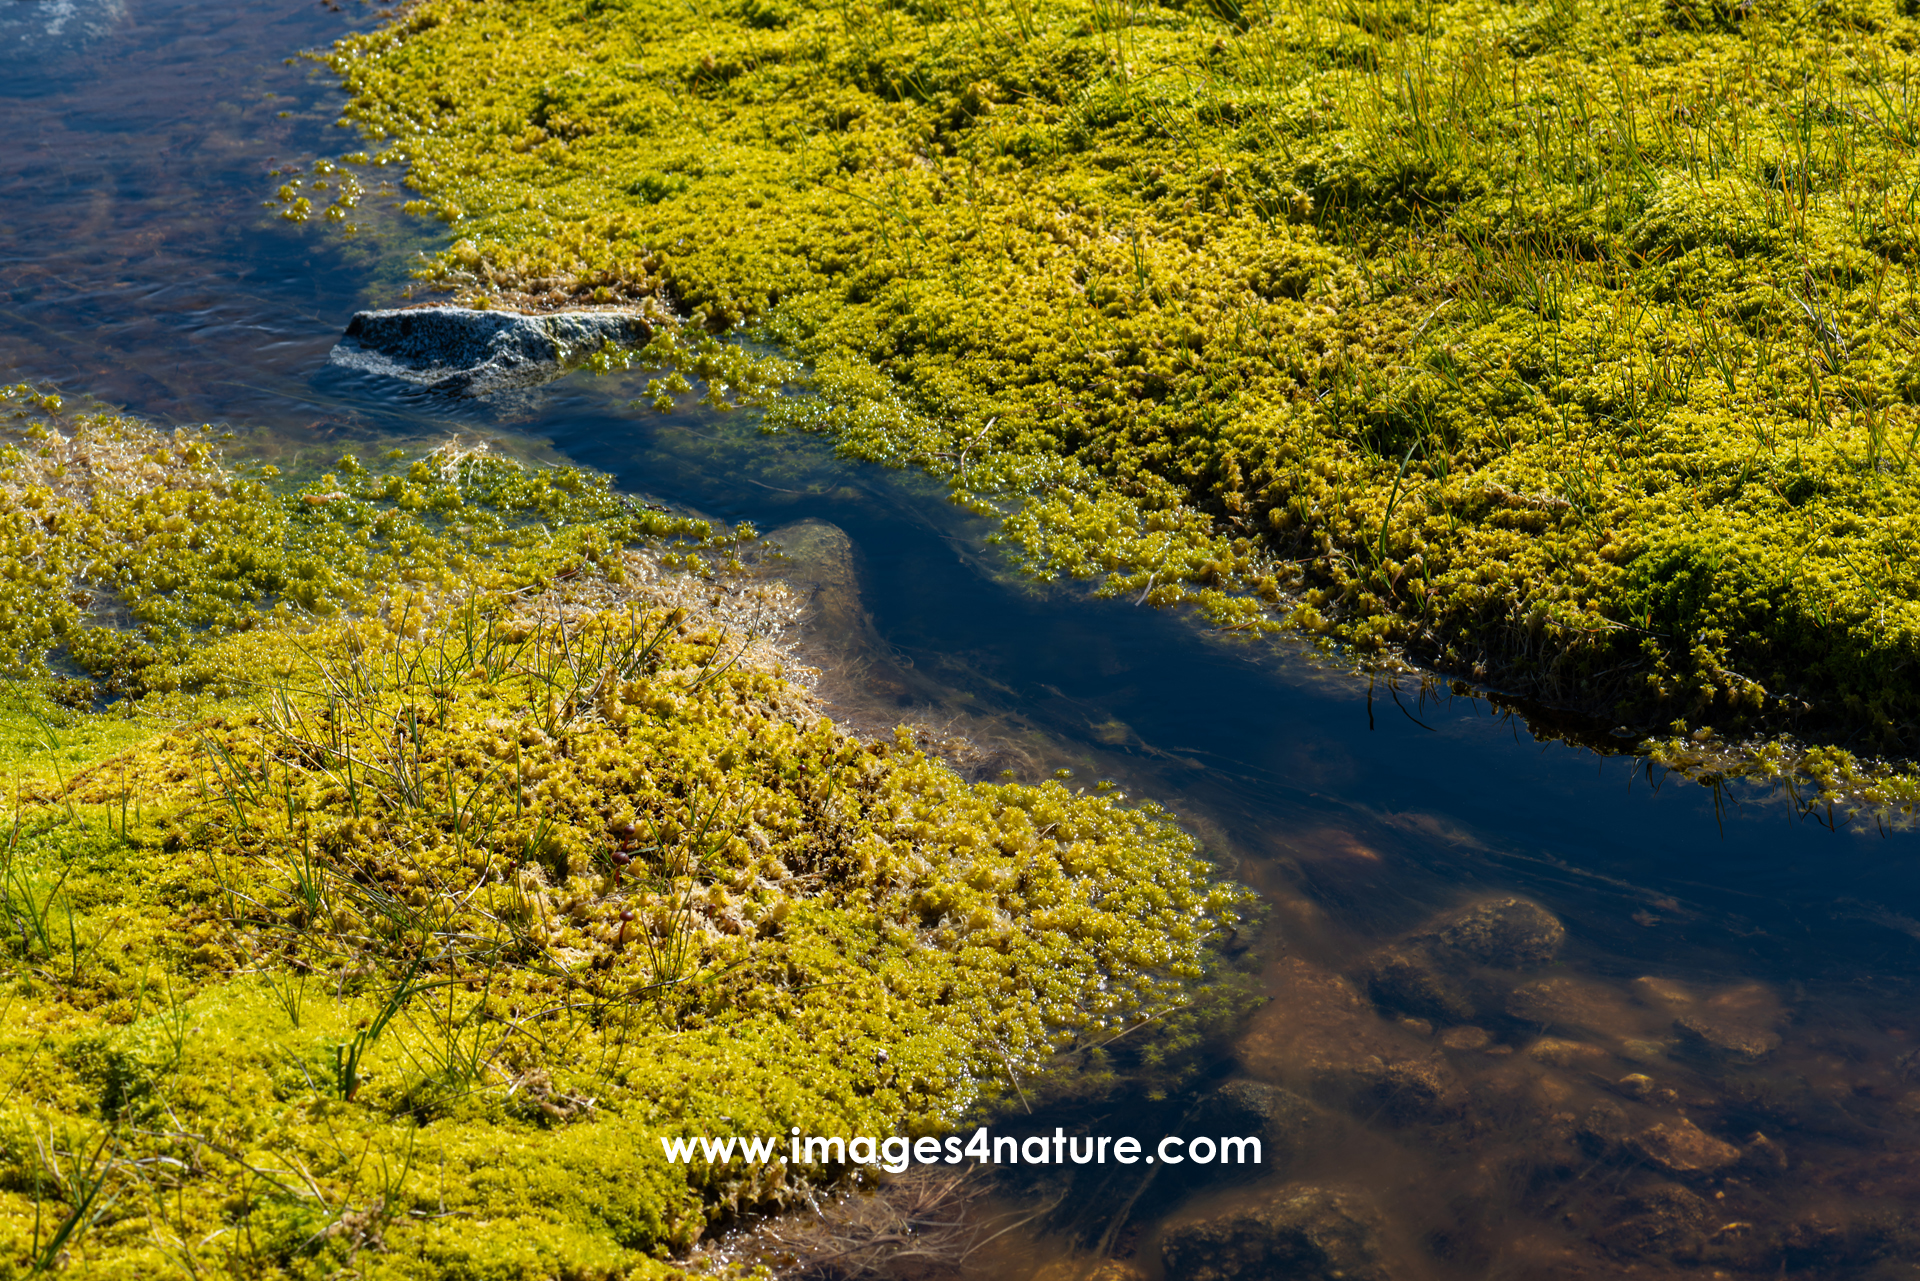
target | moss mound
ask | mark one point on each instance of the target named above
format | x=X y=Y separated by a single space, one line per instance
x=1567 y=346
x=397 y=941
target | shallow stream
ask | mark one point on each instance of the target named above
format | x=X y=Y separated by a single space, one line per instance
x=1732 y=967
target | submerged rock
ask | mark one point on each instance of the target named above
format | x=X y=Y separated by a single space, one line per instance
x=1081 y=1269
x=1558 y=1052
x=1763 y=1156
x=1577 y=1005
x=1320 y=1034
x=1635 y=1085
x=1507 y=933
x=1408 y=978
x=1736 y=1025
x=1604 y=1128
x=1662 y=1219
x=1302 y=1234
x=1435 y=973
x=823 y=566
x=863 y=683
x=1732 y=1042
x=1682 y=1148
x=1663 y=994
x=1673 y=1145
x=1279 y=1118
x=473 y=353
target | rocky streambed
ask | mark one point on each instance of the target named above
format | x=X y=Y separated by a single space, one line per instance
x=1461 y=1101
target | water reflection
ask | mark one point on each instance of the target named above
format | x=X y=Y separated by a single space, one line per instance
x=1728 y=968
x=136 y=259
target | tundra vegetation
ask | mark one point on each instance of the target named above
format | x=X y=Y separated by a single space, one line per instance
x=425 y=842
x=1566 y=346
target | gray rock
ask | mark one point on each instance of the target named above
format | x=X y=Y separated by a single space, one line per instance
x=1303 y=1234
x=473 y=353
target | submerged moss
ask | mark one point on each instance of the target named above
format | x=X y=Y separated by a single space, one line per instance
x=1568 y=348
x=393 y=932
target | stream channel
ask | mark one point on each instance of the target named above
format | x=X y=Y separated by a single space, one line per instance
x=1715 y=1075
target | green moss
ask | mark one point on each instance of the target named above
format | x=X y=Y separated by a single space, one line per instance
x=111 y=522
x=1566 y=348
x=392 y=930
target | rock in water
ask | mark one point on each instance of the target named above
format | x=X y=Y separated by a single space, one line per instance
x=458 y=349
x=823 y=566
x=1408 y=978
x=1280 y=1119
x=1302 y=1234
x=1662 y=1219
x=1433 y=973
x=1320 y=1034
x=1074 y=1268
x=1241 y=1106
x=1509 y=933
x=1736 y=1024
x=1576 y=1005
x=1733 y=1042
x=1681 y=1148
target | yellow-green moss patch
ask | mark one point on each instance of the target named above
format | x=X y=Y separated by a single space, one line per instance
x=1568 y=347
x=392 y=931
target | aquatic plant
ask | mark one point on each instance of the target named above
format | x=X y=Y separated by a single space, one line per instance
x=1568 y=349
x=390 y=928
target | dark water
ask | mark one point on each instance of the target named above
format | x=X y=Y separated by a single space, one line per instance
x=137 y=264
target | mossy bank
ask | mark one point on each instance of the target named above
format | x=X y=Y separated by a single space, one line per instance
x=450 y=839
x=1564 y=346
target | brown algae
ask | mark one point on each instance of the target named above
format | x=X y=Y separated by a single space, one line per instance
x=390 y=929
x=1565 y=348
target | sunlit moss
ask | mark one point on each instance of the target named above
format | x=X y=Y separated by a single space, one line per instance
x=109 y=521
x=392 y=930
x=1568 y=348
